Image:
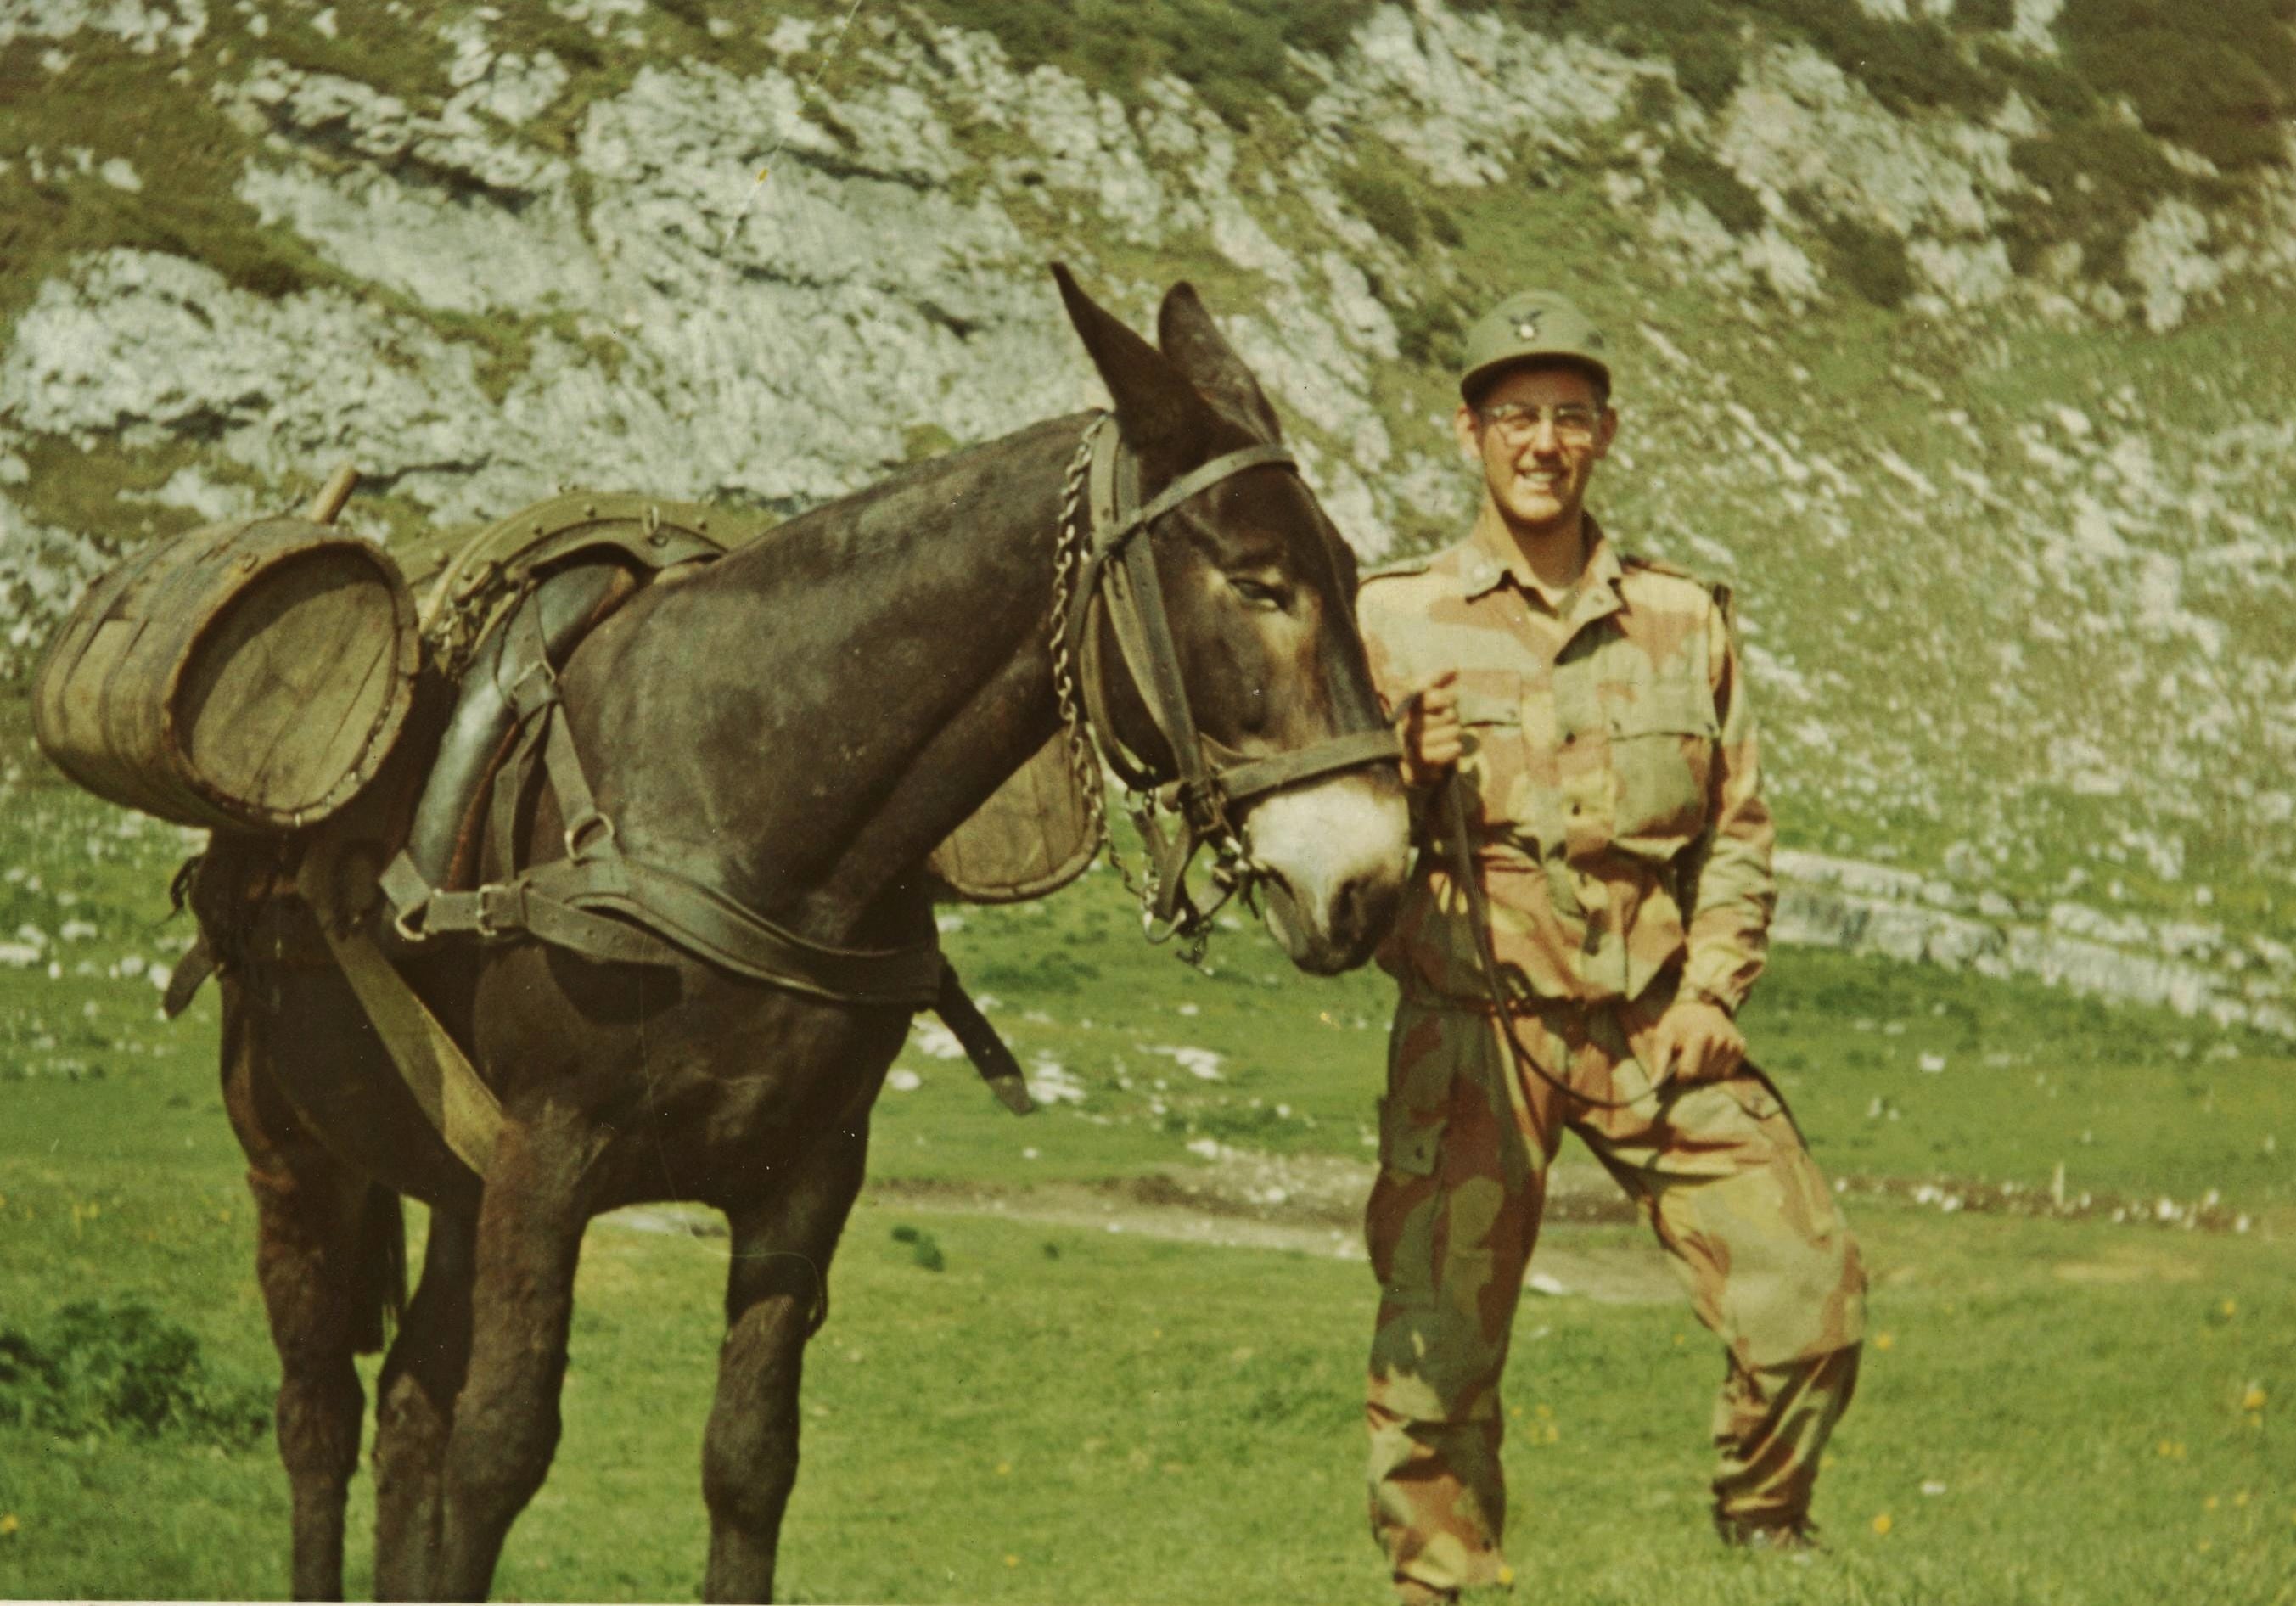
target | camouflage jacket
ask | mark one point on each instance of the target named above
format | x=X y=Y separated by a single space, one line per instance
x=1612 y=777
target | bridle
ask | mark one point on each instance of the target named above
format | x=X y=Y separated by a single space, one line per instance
x=1104 y=568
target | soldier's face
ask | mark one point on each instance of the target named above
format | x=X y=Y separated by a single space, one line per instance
x=1538 y=477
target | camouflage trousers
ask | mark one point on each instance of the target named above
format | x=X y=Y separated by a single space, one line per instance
x=1720 y=1174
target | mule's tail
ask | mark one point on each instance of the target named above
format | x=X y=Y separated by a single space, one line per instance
x=382 y=1269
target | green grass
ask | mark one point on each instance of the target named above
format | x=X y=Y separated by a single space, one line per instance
x=1135 y=1420
x=1132 y=1420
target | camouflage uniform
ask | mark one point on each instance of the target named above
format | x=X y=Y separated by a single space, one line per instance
x=1619 y=831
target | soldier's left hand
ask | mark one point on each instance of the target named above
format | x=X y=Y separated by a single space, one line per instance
x=1701 y=1041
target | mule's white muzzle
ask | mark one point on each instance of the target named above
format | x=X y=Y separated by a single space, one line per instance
x=1335 y=854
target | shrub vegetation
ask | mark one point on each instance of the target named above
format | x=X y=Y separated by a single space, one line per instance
x=1693 y=175
x=1432 y=333
x=1384 y=203
x=1232 y=53
x=2219 y=80
x=1872 y=260
x=1985 y=16
x=104 y=1368
x=2099 y=178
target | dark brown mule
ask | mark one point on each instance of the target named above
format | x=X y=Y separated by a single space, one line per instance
x=797 y=725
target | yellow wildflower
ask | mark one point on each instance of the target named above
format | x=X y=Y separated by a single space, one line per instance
x=2253 y=1400
x=2230 y=1307
x=1004 y=1469
x=2209 y=1505
x=1506 y=1576
x=1886 y=1341
x=1012 y=1560
x=1883 y=1525
x=9 y=1525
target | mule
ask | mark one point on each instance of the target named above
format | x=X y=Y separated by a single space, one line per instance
x=798 y=725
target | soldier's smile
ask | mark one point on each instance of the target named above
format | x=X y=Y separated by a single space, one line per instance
x=1540 y=454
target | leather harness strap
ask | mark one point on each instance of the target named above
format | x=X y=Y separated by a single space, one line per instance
x=1120 y=581
x=600 y=902
x=1250 y=777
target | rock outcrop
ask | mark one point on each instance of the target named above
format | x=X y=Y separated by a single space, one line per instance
x=2010 y=530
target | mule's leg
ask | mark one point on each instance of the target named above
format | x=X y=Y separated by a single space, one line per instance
x=506 y=1423
x=776 y=1296
x=414 y=1412
x=321 y=1288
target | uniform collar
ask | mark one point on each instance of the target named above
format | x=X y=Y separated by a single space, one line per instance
x=1484 y=568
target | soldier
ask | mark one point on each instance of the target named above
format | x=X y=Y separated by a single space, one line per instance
x=1577 y=735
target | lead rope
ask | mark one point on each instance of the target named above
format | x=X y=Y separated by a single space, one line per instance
x=1478 y=918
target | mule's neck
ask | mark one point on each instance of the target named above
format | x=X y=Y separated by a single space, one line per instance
x=909 y=656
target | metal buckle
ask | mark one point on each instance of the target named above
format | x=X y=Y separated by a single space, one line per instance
x=486 y=929
x=515 y=694
x=594 y=830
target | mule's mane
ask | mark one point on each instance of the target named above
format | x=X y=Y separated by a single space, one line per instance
x=839 y=531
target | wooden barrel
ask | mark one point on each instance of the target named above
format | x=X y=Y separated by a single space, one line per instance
x=240 y=676
x=1029 y=840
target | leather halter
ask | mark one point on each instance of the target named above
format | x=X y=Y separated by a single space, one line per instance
x=1119 y=577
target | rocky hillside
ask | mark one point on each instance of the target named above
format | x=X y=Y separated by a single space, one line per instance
x=1956 y=333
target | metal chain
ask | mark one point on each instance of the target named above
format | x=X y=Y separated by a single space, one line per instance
x=1192 y=926
x=1084 y=763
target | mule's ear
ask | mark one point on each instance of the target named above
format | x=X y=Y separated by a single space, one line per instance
x=1189 y=337
x=1159 y=409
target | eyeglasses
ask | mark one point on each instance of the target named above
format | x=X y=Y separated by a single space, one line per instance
x=1518 y=422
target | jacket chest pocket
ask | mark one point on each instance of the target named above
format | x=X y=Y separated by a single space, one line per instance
x=1495 y=759
x=1662 y=739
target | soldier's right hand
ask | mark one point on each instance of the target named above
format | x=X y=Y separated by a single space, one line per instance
x=1427 y=723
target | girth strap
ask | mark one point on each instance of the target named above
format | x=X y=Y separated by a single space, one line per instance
x=715 y=930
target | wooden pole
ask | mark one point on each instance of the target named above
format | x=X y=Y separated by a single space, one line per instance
x=332 y=494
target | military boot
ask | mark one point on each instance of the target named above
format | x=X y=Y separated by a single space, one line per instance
x=1780 y=1535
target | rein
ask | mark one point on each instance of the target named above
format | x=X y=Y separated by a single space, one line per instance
x=1107 y=568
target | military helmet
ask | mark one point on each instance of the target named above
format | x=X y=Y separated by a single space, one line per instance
x=1533 y=323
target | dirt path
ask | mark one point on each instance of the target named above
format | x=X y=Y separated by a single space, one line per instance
x=1307 y=1204
x=1313 y=1205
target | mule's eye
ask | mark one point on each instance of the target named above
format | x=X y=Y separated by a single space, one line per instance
x=1258 y=595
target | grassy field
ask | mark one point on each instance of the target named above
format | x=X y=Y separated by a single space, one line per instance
x=2054 y=1410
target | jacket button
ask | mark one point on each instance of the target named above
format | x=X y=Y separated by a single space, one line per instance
x=1569 y=737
